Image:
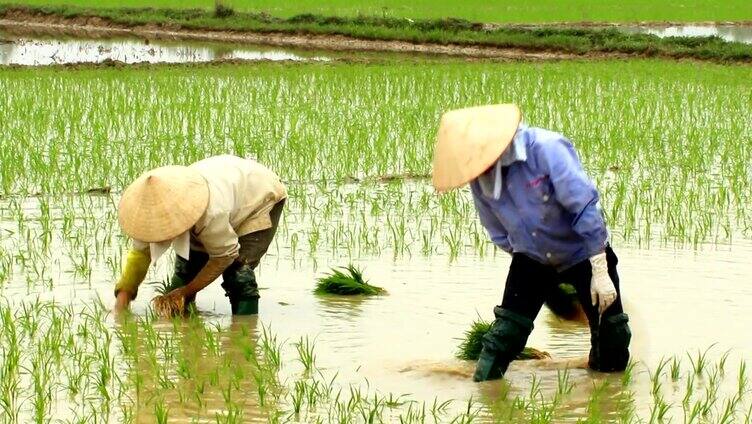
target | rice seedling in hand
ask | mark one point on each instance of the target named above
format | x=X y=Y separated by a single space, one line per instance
x=472 y=344
x=563 y=303
x=346 y=281
x=169 y=305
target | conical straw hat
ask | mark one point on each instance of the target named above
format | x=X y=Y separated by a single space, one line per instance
x=470 y=140
x=163 y=203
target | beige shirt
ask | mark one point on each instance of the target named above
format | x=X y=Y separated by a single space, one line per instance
x=242 y=192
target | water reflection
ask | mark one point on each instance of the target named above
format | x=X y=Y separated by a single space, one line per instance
x=736 y=33
x=40 y=51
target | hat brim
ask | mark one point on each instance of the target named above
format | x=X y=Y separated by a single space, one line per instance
x=469 y=141
x=163 y=203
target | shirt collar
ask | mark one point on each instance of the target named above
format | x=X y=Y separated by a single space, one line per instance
x=491 y=182
x=517 y=151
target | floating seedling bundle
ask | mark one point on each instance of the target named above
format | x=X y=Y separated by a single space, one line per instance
x=346 y=281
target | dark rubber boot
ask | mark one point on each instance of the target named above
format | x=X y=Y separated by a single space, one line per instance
x=240 y=286
x=246 y=307
x=609 y=349
x=502 y=344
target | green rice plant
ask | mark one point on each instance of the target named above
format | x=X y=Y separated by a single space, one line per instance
x=688 y=390
x=564 y=384
x=346 y=281
x=472 y=343
x=655 y=376
x=297 y=396
x=271 y=349
x=675 y=368
x=659 y=409
x=161 y=412
x=728 y=414
x=305 y=353
x=722 y=362
x=700 y=361
x=741 y=379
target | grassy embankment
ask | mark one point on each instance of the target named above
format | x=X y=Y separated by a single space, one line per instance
x=535 y=11
x=580 y=41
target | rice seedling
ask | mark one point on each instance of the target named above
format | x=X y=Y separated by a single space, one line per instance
x=564 y=383
x=564 y=303
x=655 y=376
x=675 y=368
x=305 y=353
x=742 y=379
x=700 y=361
x=346 y=281
x=472 y=343
x=641 y=203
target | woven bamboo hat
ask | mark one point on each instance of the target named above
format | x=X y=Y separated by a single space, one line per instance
x=470 y=140
x=163 y=203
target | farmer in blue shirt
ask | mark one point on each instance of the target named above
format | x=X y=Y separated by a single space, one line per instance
x=538 y=205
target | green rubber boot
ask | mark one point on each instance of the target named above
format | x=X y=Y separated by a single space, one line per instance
x=246 y=307
x=503 y=342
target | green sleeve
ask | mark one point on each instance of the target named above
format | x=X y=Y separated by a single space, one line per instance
x=134 y=272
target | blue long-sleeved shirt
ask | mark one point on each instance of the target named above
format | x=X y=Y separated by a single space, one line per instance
x=547 y=209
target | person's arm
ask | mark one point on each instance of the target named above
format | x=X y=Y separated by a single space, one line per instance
x=136 y=266
x=210 y=272
x=496 y=231
x=575 y=192
x=221 y=244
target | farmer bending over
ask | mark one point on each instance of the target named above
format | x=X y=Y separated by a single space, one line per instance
x=537 y=204
x=219 y=215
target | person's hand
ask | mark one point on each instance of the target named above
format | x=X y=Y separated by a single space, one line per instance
x=602 y=290
x=170 y=304
x=122 y=301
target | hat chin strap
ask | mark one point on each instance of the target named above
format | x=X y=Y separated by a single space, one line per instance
x=181 y=244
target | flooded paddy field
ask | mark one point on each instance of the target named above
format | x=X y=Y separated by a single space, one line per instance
x=38 y=51
x=667 y=146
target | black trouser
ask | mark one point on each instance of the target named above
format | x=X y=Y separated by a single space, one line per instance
x=529 y=284
x=239 y=279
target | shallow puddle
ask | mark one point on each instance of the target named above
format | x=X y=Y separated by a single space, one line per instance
x=679 y=301
x=47 y=51
x=735 y=33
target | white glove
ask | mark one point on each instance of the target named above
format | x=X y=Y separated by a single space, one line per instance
x=602 y=290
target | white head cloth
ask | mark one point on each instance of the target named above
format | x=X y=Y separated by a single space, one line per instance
x=181 y=244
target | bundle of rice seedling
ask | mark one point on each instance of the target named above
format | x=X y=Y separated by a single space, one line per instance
x=564 y=303
x=163 y=287
x=169 y=306
x=350 y=282
x=472 y=344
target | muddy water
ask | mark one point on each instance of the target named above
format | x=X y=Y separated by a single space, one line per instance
x=736 y=33
x=679 y=300
x=49 y=51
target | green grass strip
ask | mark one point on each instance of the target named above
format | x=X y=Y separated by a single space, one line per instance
x=529 y=11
